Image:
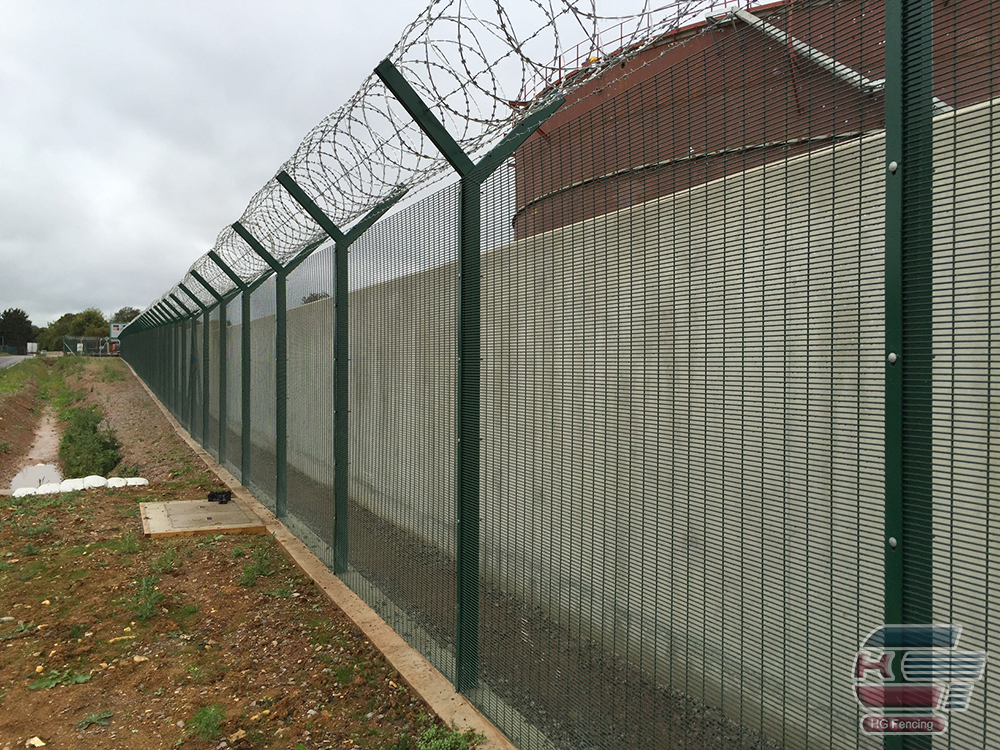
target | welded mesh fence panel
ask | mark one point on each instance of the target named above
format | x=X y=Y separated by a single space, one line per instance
x=402 y=432
x=682 y=401
x=263 y=473
x=234 y=389
x=310 y=402
x=952 y=305
x=212 y=444
x=691 y=510
x=196 y=389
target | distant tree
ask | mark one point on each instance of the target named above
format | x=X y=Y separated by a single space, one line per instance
x=90 y=322
x=52 y=335
x=16 y=329
x=313 y=297
x=125 y=315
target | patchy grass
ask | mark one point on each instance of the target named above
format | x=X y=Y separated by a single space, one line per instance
x=260 y=566
x=112 y=372
x=87 y=448
x=442 y=738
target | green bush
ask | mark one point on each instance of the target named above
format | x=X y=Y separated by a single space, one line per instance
x=86 y=448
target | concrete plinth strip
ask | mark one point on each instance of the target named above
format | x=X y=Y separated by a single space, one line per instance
x=426 y=681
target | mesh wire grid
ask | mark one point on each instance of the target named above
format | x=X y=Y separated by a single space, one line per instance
x=196 y=388
x=682 y=401
x=951 y=272
x=214 y=363
x=263 y=472
x=310 y=402
x=402 y=429
x=234 y=389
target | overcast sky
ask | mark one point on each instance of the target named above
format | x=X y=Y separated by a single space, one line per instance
x=132 y=132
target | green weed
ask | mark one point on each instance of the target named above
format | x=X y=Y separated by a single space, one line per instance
x=101 y=718
x=55 y=678
x=21 y=627
x=165 y=562
x=146 y=602
x=206 y=722
x=29 y=550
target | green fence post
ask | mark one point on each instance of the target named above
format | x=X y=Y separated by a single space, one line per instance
x=245 y=386
x=469 y=349
x=244 y=366
x=909 y=111
x=222 y=364
x=341 y=352
x=280 y=372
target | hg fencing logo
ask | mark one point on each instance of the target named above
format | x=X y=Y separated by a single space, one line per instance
x=917 y=674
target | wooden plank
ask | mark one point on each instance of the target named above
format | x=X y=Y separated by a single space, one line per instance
x=154 y=516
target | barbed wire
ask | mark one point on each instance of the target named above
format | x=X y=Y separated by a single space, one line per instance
x=481 y=66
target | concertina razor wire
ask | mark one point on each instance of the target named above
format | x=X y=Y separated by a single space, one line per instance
x=481 y=67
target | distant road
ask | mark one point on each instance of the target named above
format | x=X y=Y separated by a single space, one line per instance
x=12 y=360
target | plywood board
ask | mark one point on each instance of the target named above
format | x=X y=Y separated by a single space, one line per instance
x=183 y=517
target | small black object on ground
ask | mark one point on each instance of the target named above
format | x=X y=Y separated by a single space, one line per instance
x=220 y=496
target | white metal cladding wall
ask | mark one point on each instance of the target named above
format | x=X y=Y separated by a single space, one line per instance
x=966 y=390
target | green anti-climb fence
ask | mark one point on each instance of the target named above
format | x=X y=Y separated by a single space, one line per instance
x=643 y=384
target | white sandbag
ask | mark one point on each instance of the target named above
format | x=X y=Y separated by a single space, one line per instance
x=48 y=489
x=71 y=485
x=94 y=481
x=24 y=491
x=116 y=482
x=137 y=482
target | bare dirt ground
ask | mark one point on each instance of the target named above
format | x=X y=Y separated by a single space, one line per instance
x=112 y=640
x=19 y=418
